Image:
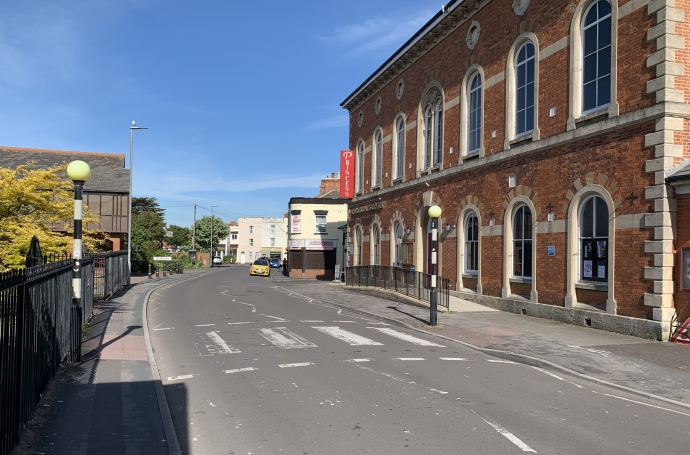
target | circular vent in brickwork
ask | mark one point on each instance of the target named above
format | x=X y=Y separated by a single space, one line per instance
x=400 y=89
x=519 y=6
x=473 y=34
x=360 y=118
x=377 y=107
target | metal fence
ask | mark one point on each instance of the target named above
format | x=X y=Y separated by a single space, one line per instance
x=414 y=284
x=36 y=312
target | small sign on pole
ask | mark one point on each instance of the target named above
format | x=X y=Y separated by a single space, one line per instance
x=162 y=258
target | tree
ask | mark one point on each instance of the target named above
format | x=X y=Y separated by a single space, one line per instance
x=182 y=236
x=34 y=202
x=148 y=232
x=203 y=232
x=146 y=204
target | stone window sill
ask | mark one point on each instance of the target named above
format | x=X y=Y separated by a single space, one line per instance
x=517 y=279
x=601 y=287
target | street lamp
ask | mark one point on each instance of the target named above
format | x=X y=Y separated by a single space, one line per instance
x=131 y=178
x=79 y=172
x=211 y=249
x=434 y=214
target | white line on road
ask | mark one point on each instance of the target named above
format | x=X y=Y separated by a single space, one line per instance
x=291 y=365
x=455 y=358
x=348 y=337
x=390 y=376
x=639 y=402
x=499 y=361
x=283 y=338
x=273 y=317
x=204 y=325
x=219 y=346
x=511 y=437
x=353 y=322
x=240 y=370
x=409 y=358
x=311 y=320
x=165 y=328
x=357 y=360
x=233 y=323
x=557 y=377
x=177 y=378
x=406 y=337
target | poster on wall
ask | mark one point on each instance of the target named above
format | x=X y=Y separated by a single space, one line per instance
x=347 y=174
x=587 y=269
x=296 y=224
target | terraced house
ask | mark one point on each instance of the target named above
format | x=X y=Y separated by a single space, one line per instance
x=554 y=137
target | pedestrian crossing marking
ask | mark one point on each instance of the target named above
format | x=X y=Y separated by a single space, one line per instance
x=291 y=365
x=410 y=358
x=350 y=338
x=213 y=344
x=406 y=337
x=357 y=360
x=283 y=338
x=240 y=370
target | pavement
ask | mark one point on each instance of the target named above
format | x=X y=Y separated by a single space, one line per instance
x=113 y=401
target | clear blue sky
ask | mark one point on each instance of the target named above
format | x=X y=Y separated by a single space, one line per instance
x=241 y=98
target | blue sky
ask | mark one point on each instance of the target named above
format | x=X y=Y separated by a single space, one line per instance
x=242 y=99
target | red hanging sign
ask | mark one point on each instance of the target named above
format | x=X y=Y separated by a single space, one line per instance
x=682 y=336
x=347 y=174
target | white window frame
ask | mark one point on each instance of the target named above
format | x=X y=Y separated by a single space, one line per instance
x=524 y=240
x=398 y=162
x=377 y=161
x=360 y=167
x=251 y=242
x=511 y=91
x=375 y=245
x=320 y=227
x=465 y=113
x=358 y=246
x=582 y=255
x=471 y=244
x=397 y=241
x=432 y=130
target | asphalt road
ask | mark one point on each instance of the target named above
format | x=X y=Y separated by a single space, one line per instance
x=252 y=368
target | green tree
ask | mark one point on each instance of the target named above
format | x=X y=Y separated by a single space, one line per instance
x=146 y=204
x=203 y=232
x=148 y=232
x=34 y=202
x=182 y=236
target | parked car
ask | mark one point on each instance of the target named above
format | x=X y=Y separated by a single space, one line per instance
x=217 y=260
x=274 y=263
x=260 y=267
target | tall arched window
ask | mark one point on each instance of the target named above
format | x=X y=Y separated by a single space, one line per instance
x=524 y=89
x=399 y=161
x=358 y=246
x=522 y=242
x=471 y=244
x=474 y=114
x=398 y=241
x=593 y=221
x=376 y=245
x=378 y=153
x=596 y=56
x=360 y=168
x=433 y=129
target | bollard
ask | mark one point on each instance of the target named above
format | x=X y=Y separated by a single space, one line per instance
x=157 y=270
x=149 y=271
x=164 y=269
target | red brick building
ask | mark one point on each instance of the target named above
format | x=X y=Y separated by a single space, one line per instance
x=546 y=132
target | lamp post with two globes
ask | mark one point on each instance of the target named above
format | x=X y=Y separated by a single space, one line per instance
x=79 y=172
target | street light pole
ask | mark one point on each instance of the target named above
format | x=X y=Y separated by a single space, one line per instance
x=211 y=249
x=79 y=172
x=131 y=178
x=434 y=214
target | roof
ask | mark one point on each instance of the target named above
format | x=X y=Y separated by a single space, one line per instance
x=108 y=172
x=317 y=200
x=333 y=194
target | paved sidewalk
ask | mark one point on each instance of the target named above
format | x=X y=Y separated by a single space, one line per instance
x=112 y=402
x=649 y=368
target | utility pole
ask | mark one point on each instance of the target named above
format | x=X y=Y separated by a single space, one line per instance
x=194 y=230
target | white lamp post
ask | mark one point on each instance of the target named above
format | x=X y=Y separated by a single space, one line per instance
x=79 y=172
x=434 y=214
x=131 y=178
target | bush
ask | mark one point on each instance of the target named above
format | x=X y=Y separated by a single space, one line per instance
x=229 y=259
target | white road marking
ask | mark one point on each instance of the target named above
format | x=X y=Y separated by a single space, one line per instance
x=240 y=370
x=357 y=360
x=511 y=437
x=390 y=376
x=204 y=325
x=165 y=328
x=348 y=337
x=177 y=378
x=595 y=351
x=639 y=402
x=291 y=365
x=283 y=338
x=216 y=345
x=233 y=323
x=455 y=358
x=409 y=358
x=377 y=323
x=274 y=317
x=499 y=361
x=406 y=337
x=557 y=377
x=311 y=320
x=353 y=322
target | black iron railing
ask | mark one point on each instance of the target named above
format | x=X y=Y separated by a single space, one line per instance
x=411 y=283
x=111 y=273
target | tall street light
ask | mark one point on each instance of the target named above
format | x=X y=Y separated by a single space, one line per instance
x=434 y=214
x=79 y=172
x=211 y=248
x=131 y=178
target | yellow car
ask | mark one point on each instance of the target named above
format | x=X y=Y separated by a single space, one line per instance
x=260 y=267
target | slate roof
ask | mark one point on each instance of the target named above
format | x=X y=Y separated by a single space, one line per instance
x=108 y=173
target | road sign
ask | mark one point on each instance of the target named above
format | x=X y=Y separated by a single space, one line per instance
x=162 y=258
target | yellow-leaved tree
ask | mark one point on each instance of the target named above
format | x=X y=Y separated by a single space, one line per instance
x=39 y=202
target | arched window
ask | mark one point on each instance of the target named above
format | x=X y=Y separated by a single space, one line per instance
x=522 y=242
x=378 y=151
x=399 y=159
x=358 y=246
x=474 y=114
x=398 y=241
x=376 y=245
x=433 y=130
x=596 y=56
x=471 y=244
x=593 y=221
x=360 y=168
x=524 y=89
